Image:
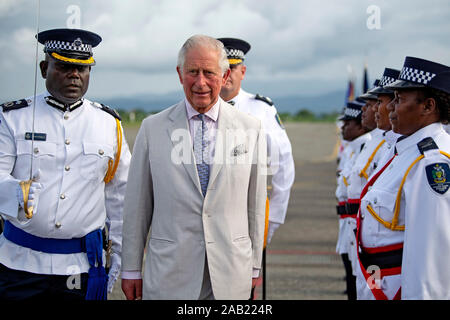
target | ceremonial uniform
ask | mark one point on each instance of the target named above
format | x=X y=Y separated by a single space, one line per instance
x=279 y=151
x=80 y=159
x=71 y=154
x=403 y=237
x=346 y=237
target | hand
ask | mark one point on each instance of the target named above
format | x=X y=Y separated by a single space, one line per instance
x=114 y=271
x=35 y=189
x=132 y=288
x=255 y=282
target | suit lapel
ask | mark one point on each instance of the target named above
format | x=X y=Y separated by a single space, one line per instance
x=225 y=122
x=180 y=122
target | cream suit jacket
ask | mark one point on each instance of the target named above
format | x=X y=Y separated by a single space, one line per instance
x=164 y=197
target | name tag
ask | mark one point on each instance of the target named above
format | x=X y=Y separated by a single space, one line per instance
x=37 y=136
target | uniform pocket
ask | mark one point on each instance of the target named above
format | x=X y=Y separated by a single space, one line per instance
x=94 y=163
x=42 y=152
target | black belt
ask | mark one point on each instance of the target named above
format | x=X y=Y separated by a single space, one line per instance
x=384 y=260
x=351 y=208
x=340 y=209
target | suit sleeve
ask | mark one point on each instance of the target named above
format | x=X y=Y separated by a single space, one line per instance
x=138 y=207
x=257 y=194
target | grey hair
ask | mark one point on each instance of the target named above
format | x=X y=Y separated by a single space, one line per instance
x=204 y=41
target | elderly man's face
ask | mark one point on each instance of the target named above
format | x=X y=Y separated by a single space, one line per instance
x=202 y=77
x=66 y=82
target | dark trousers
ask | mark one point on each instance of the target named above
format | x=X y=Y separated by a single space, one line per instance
x=21 y=285
x=350 y=279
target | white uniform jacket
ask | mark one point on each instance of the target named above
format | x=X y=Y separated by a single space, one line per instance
x=71 y=152
x=346 y=223
x=279 y=152
x=419 y=210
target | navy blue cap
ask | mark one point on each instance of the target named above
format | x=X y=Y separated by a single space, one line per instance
x=235 y=49
x=353 y=111
x=72 y=46
x=369 y=95
x=418 y=73
x=389 y=77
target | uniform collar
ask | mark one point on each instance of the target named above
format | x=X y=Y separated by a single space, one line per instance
x=377 y=133
x=212 y=113
x=55 y=103
x=355 y=145
x=235 y=99
x=412 y=140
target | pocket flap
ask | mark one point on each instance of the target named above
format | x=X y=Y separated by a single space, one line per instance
x=98 y=149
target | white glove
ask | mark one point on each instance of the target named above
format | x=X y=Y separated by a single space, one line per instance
x=114 y=271
x=33 y=194
x=272 y=227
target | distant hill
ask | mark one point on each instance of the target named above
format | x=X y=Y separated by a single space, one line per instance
x=326 y=103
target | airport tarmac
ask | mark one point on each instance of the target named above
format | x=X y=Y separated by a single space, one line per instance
x=301 y=260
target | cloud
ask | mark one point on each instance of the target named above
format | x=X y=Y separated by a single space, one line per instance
x=298 y=47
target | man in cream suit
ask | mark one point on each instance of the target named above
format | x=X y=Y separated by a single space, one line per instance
x=198 y=179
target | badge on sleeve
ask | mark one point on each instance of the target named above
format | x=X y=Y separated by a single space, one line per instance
x=277 y=117
x=438 y=175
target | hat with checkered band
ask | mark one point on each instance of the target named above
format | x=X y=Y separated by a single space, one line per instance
x=235 y=49
x=72 y=46
x=417 y=73
x=389 y=77
x=353 y=110
x=369 y=95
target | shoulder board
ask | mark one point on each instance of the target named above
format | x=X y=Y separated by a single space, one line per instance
x=362 y=146
x=265 y=99
x=107 y=109
x=427 y=144
x=13 y=105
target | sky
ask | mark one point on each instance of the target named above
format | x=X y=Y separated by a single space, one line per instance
x=299 y=47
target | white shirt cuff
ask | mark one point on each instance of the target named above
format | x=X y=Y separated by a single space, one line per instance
x=255 y=273
x=131 y=275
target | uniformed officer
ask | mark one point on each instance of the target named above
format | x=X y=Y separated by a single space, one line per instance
x=279 y=146
x=51 y=247
x=403 y=232
x=373 y=150
x=356 y=135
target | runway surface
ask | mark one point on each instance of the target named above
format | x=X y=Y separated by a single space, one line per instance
x=301 y=259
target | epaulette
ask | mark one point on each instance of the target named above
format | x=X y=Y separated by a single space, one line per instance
x=107 y=109
x=427 y=144
x=13 y=105
x=265 y=99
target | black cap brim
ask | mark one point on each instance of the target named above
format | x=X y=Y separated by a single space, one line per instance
x=381 y=90
x=403 y=84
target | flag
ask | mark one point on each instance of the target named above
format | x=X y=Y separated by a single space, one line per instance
x=350 y=91
x=365 y=79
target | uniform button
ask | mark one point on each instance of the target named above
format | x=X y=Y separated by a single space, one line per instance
x=375 y=201
x=58 y=225
x=67 y=141
x=101 y=152
x=36 y=150
x=67 y=168
x=62 y=196
x=66 y=116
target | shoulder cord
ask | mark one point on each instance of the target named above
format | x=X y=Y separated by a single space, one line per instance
x=393 y=225
x=112 y=166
